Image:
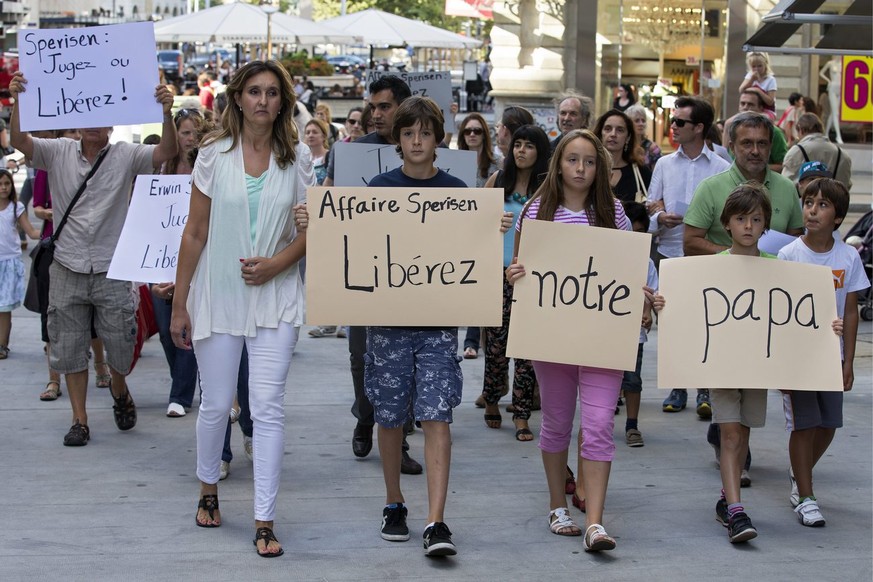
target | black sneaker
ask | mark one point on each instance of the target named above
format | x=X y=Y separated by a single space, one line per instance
x=78 y=436
x=394 y=524
x=721 y=512
x=438 y=541
x=740 y=528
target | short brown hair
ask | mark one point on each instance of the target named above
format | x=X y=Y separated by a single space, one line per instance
x=418 y=109
x=834 y=192
x=745 y=199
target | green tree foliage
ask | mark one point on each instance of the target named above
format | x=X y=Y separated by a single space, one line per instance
x=429 y=11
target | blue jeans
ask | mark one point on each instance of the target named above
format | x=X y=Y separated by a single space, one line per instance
x=183 y=364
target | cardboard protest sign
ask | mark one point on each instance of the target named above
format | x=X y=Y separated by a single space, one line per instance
x=747 y=322
x=434 y=84
x=89 y=77
x=357 y=163
x=581 y=299
x=395 y=256
x=148 y=247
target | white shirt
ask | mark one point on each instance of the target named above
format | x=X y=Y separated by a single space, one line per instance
x=10 y=244
x=674 y=180
x=219 y=300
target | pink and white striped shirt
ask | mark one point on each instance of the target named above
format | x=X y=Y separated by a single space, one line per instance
x=570 y=217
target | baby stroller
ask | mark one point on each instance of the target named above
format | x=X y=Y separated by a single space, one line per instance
x=860 y=236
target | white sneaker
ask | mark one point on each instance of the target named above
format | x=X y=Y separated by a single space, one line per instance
x=223 y=471
x=794 y=497
x=175 y=410
x=247 y=446
x=809 y=514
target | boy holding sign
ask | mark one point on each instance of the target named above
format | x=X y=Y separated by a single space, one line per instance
x=415 y=368
x=746 y=215
x=813 y=417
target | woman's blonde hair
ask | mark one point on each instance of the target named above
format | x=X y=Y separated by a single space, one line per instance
x=285 y=137
x=322 y=127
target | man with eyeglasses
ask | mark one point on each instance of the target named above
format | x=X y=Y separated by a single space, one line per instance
x=574 y=112
x=674 y=180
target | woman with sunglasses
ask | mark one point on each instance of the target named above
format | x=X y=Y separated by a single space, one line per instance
x=238 y=282
x=522 y=174
x=629 y=177
x=473 y=135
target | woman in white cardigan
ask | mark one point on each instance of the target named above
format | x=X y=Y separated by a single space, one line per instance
x=238 y=283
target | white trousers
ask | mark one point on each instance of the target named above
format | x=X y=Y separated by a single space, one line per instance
x=218 y=358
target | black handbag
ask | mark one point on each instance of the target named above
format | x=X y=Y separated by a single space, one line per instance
x=45 y=250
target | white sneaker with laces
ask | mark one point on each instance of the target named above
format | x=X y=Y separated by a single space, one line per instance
x=223 y=471
x=809 y=514
x=794 y=497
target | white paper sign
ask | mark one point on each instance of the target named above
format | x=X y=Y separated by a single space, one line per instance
x=357 y=163
x=434 y=84
x=773 y=241
x=89 y=77
x=148 y=248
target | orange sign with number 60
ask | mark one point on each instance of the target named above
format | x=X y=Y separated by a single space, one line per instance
x=857 y=83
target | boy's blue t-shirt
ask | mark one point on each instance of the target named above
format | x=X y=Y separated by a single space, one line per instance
x=397 y=179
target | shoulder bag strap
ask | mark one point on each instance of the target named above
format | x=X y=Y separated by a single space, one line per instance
x=79 y=193
x=837 y=165
x=641 y=185
x=803 y=151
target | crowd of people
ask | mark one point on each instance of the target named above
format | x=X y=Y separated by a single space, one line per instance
x=229 y=326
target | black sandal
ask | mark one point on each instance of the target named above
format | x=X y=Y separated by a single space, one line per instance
x=208 y=503
x=125 y=411
x=266 y=534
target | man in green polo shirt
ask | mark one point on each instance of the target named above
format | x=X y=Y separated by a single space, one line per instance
x=751 y=136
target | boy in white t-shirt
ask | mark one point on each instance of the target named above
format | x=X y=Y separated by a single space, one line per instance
x=813 y=417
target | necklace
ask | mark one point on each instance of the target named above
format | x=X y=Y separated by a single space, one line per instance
x=519 y=198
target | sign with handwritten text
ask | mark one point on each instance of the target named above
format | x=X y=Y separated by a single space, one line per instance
x=434 y=84
x=394 y=256
x=747 y=322
x=581 y=299
x=357 y=163
x=89 y=77
x=148 y=248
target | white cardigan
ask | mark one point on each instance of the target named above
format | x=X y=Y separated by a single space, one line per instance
x=219 y=300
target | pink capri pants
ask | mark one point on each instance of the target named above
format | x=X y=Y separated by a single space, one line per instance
x=597 y=388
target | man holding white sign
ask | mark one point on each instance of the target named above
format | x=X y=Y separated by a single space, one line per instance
x=84 y=249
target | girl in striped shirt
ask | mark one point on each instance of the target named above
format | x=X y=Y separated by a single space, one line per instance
x=576 y=191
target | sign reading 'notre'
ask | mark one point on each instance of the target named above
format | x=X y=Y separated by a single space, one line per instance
x=395 y=256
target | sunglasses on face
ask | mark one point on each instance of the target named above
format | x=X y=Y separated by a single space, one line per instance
x=473 y=131
x=353 y=121
x=184 y=113
x=681 y=122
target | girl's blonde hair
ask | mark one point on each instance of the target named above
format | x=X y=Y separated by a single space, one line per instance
x=755 y=56
x=600 y=202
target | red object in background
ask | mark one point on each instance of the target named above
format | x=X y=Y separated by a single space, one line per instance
x=8 y=66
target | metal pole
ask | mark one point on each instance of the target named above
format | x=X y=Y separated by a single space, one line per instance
x=702 y=44
x=269 y=36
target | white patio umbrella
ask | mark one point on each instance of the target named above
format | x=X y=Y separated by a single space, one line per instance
x=385 y=29
x=239 y=22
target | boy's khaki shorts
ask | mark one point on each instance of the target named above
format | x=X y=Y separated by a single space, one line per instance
x=747 y=407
